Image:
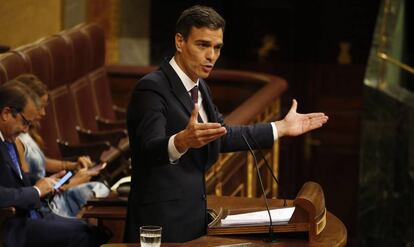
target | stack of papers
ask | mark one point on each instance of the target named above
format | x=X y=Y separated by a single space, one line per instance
x=279 y=216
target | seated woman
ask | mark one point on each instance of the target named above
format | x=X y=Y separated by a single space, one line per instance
x=76 y=193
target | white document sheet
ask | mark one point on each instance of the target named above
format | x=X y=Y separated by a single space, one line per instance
x=279 y=216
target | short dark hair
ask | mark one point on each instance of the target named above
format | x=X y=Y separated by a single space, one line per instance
x=198 y=16
x=14 y=97
x=25 y=89
x=33 y=83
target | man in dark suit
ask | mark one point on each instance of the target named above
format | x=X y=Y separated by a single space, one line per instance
x=176 y=132
x=30 y=227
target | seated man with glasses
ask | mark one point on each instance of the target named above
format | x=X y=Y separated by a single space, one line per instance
x=30 y=227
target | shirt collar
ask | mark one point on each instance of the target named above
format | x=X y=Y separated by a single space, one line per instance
x=187 y=82
x=1 y=137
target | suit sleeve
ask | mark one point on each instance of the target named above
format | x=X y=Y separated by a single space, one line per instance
x=147 y=122
x=259 y=136
x=21 y=198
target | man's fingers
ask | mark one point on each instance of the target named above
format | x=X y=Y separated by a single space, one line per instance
x=194 y=114
x=211 y=132
x=315 y=115
x=58 y=174
x=206 y=126
x=294 y=106
x=205 y=139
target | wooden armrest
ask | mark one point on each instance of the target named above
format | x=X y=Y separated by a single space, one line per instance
x=94 y=150
x=112 y=136
x=120 y=112
x=107 y=124
x=112 y=200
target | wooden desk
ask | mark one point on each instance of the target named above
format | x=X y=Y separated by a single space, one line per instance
x=334 y=234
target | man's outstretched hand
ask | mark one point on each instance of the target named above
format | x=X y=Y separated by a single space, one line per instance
x=295 y=124
x=196 y=134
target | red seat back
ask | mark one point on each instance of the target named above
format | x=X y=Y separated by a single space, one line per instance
x=82 y=93
x=82 y=51
x=66 y=115
x=96 y=37
x=39 y=61
x=12 y=64
x=61 y=59
x=102 y=93
x=49 y=133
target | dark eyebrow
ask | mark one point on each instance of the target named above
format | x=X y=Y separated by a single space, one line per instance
x=219 y=45
x=205 y=42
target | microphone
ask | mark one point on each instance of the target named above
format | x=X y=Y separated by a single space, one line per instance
x=266 y=163
x=271 y=238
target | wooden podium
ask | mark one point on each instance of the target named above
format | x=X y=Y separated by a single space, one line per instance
x=310 y=225
x=309 y=216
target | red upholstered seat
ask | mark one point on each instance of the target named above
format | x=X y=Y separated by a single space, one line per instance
x=82 y=52
x=67 y=121
x=39 y=61
x=12 y=64
x=102 y=93
x=61 y=58
x=96 y=37
x=87 y=109
x=49 y=133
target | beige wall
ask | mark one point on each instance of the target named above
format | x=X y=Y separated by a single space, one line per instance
x=24 y=21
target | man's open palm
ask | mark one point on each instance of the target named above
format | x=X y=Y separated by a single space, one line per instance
x=295 y=124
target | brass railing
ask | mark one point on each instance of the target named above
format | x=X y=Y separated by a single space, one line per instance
x=262 y=106
x=394 y=61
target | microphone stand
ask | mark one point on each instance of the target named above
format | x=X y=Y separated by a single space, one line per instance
x=266 y=163
x=271 y=238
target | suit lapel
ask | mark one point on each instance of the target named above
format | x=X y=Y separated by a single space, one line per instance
x=177 y=87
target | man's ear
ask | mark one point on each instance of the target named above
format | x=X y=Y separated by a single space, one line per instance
x=5 y=113
x=179 y=40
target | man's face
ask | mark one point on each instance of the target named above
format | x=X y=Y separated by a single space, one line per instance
x=197 y=55
x=18 y=123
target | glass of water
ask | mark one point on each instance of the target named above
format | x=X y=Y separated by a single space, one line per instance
x=150 y=236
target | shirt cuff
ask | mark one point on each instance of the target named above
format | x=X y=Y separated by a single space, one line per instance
x=38 y=191
x=173 y=153
x=274 y=129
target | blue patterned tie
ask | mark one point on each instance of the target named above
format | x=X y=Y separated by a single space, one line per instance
x=13 y=156
x=12 y=151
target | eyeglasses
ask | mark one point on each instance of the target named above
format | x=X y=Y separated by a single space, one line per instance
x=25 y=122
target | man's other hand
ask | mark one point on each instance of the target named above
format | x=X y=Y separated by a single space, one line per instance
x=196 y=134
x=295 y=124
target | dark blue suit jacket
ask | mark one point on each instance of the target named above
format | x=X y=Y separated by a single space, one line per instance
x=15 y=191
x=49 y=229
x=165 y=194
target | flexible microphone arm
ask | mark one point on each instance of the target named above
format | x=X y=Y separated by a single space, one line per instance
x=266 y=163
x=271 y=238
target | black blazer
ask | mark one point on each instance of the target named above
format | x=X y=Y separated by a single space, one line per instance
x=165 y=194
